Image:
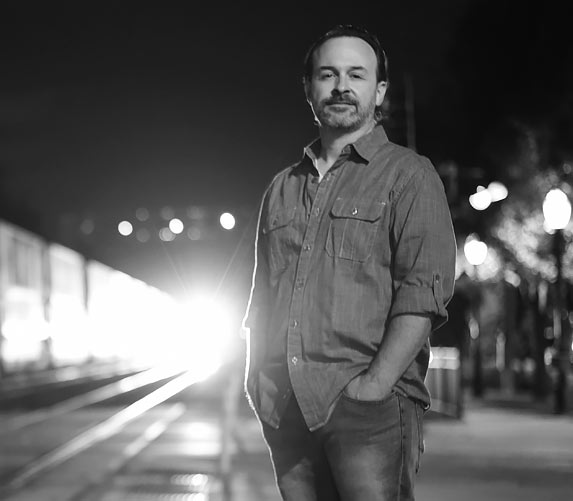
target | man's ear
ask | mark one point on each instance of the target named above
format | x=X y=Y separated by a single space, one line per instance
x=381 y=88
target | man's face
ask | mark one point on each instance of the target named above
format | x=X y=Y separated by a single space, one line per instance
x=343 y=92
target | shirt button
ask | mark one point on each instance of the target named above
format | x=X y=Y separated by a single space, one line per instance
x=354 y=211
x=306 y=248
x=294 y=360
x=437 y=278
x=299 y=284
x=295 y=323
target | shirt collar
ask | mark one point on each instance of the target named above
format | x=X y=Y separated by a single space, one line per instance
x=366 y=146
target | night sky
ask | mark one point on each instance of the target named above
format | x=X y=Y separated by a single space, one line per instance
x=104 y=109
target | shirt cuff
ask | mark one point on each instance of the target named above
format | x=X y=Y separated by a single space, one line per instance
x=421 y=300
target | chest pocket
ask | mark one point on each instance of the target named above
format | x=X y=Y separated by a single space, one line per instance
x=352 y=229
x=278 y=229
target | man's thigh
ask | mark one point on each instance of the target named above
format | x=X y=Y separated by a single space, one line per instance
x=301 y=468
x=374 y=448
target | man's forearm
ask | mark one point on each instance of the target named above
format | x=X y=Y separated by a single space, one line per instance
x=402 y=341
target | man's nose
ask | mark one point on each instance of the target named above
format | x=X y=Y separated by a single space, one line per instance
x=341 y=84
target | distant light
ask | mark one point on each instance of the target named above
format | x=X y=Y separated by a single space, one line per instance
x=125 y=228
x=87 y=226
x=475 y=250
x=512 y=278
x=556 y=209
x=481 y=199
x=227 y=221
x=166 y=235
x=210 y=332
x=167 y=213
x=497 y=191
x=143 y=235
x=195 y=212
x=199 y=480
x=176 y=226
x=194 y=234
x=142 y=214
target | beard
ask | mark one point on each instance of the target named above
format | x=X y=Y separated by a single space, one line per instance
x=344 y=112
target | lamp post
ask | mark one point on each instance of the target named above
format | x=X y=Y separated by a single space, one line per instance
x=475 y=252
x=557 y=213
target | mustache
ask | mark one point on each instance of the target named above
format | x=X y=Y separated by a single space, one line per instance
x=340 y=99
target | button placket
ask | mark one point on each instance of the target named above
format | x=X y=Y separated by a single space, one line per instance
x=295 y=333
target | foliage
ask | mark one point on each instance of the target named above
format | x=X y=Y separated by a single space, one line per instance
x=519 y=227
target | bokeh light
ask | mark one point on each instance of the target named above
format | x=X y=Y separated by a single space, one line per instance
x=556 y=209
x=125 y=228
x=142 y=214
x=475 y=250
x=227 y=221
x=176 y=226
x=497 y=190
x=166 y=235
x=481 y=199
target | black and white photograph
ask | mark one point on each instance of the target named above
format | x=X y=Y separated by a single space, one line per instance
x=289 y=251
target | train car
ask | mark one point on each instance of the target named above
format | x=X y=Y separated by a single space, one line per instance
x=127 y=317
x=24 y=333
x=59 y=309
x=100 y=301
x=115 y=312
x=66 y=306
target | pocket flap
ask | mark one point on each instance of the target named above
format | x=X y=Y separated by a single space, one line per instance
x=279 y=219
x=370 y=211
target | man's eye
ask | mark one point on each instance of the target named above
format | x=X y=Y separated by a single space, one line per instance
x=356 y=76
x=326 y=75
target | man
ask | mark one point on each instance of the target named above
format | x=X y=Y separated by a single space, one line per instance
x=354 y=266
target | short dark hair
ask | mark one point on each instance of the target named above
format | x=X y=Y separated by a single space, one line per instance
x=349 y=30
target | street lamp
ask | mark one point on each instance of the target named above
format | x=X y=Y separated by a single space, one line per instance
x=475 y=252
x=484 y=197
x=557 y=213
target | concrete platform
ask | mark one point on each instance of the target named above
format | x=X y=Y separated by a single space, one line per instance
x=503 y=449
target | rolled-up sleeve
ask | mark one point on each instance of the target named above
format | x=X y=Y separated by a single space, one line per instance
x=424 y=248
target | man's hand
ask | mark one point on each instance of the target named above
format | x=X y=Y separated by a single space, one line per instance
x=365 y=387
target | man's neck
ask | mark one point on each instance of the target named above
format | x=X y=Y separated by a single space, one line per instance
x=333 y=141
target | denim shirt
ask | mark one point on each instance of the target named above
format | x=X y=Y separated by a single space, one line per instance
x=336 y=260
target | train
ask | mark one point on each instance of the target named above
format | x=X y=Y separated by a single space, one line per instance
x=59 y=308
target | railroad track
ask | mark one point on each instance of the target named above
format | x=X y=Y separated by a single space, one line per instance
x=81 y=449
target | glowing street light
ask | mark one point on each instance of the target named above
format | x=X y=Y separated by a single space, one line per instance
x=125 y=228
x=497 y=191
x=475 y=250
x=476 y=253
x=557 y=213
x=484 y=197
x=227 y=221
x=556 y=209
x=481 y=199
x=176 y=226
